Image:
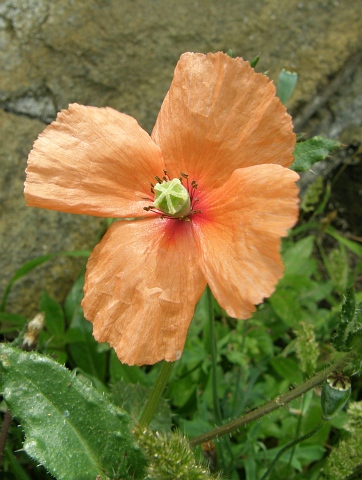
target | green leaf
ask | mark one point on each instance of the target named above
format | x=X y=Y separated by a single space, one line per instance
x=201 y=316
x=297 y=258
x=338 y=268
x=311 y=151
x=17 y=469
x=54 y=316
x=349 y=331
x=11 y=322
x=350 y=244
x=287 y=306
x=306 y=346
x=70 y=428
x=312 y=195
x=84 y=350
x=287 y=369
x=121 y=372
x=286 y=85
x=74 y=297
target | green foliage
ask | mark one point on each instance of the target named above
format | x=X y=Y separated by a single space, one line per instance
x=171 y=457
x=350 y=244
x=338 y=268
x=299 y=291
x=345 y=461
x=313 y=150
x=348 y=335
x=312 y=195
x=259 y=359
x=84 y=351
x=53 y=336
x=131 y=397
x=306 y=347
x=70 y=429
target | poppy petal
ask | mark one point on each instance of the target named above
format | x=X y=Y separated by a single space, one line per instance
x=94 y=161
x=238 y=235
x=142 y=284
x=220 y=115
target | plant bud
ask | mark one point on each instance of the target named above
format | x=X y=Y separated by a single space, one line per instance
x=35 y=326
x=336 y=391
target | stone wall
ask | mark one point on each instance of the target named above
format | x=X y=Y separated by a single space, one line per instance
x=122 y=53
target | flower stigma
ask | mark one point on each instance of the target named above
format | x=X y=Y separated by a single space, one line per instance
x=172 y=199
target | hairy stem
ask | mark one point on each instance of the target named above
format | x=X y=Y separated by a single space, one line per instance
x=269 y=407
x=156 y=393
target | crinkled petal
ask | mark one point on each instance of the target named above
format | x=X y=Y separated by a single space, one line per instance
x=142 y=284
x=94 y=161
x=218 y=116
x=238 y=235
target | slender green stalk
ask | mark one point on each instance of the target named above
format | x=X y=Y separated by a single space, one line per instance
x=291 y=445
x=17 y=468
x=156 y=393
x=297 y=433
x=213 y=349
x=269 y=407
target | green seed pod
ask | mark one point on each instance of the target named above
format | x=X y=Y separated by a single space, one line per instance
x=336 y=391
x=172 y=198
x=286 y=85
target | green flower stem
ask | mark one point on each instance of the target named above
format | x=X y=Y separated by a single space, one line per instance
x=213 y=349
x=156 y=393
x=291 y=445
x=278 y=402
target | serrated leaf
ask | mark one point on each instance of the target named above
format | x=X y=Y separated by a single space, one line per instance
x=313 y=150
x=70 y=428
x=349 y=331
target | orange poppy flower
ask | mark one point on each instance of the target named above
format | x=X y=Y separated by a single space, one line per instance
x=221 y=126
